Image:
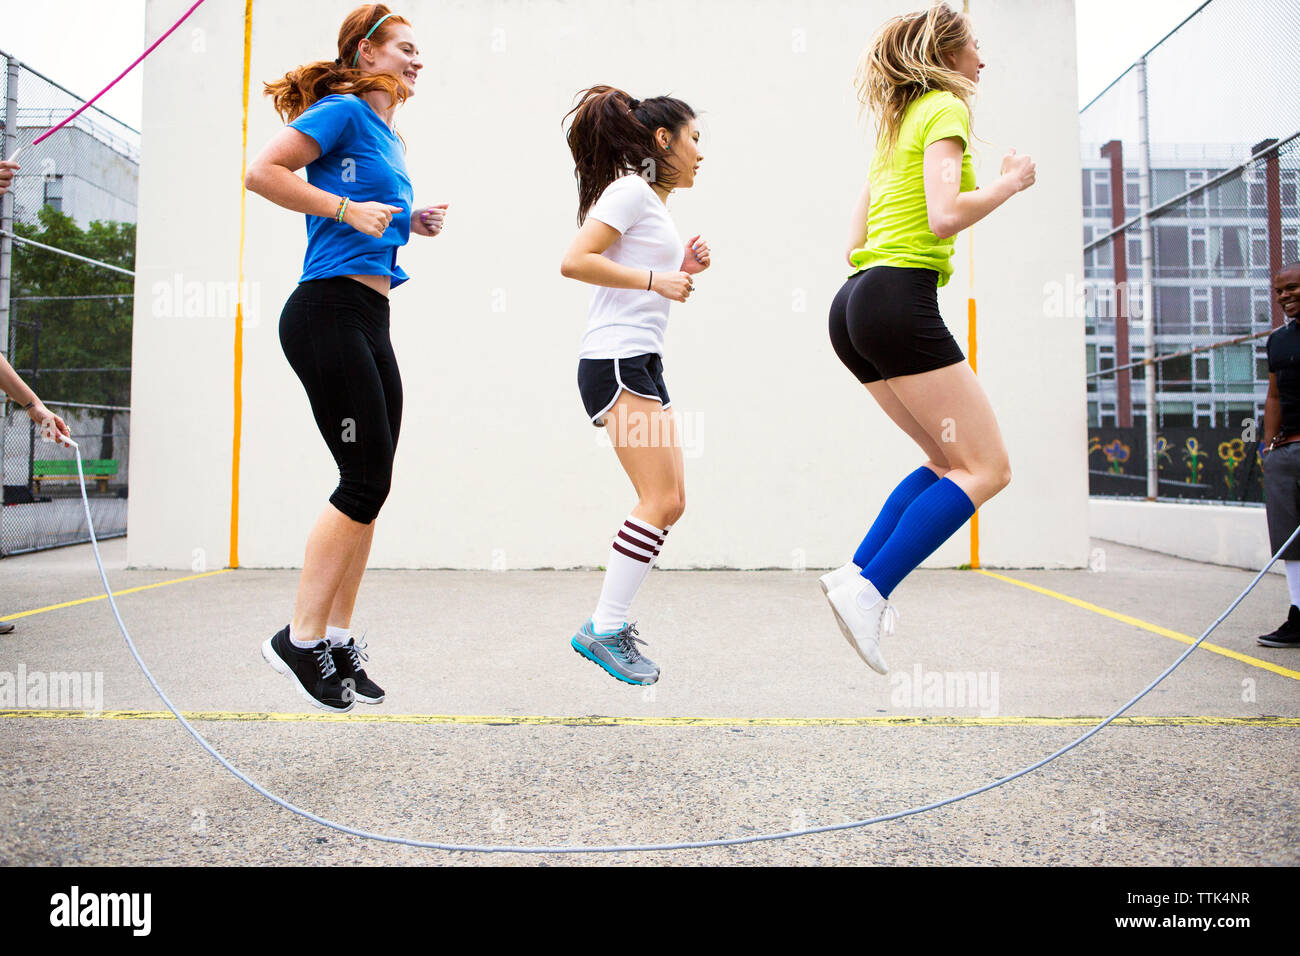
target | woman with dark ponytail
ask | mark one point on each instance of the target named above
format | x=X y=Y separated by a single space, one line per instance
x=334 y=328
x=630 y=155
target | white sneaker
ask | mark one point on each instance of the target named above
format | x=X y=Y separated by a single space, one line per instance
x=863 y=629
x=833 y=579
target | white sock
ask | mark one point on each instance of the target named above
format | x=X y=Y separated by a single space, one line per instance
x=631 y=556
x=337 y=636
x=868 y=597
x=296 y=642
x=1293 y=580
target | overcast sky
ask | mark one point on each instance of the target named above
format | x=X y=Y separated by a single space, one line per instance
x=106 y=35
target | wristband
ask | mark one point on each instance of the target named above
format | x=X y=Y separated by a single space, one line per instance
x=343 y=208
x=651 y=282
x=30 y=404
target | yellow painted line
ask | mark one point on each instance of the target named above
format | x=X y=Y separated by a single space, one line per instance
x=970 y=348
x=238 y=410
x=100 y=597
x=515 y=720
x=1148 y=626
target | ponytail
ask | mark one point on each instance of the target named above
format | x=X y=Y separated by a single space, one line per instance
x=613 y=134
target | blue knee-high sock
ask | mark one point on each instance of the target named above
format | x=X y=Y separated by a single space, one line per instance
x=929 y=521
x=895 y=505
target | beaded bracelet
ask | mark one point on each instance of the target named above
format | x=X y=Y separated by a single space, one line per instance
x=343 y=208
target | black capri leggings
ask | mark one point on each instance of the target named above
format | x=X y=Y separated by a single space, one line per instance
x=334 y=333
x=885 y=322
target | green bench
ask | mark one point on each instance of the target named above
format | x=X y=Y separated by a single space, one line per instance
x=100 y=470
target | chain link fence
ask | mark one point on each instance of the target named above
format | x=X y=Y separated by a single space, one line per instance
x=67 y=252
x=42 y=497
x=1191 y=167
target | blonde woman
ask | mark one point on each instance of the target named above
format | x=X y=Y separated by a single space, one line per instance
x=918 y=77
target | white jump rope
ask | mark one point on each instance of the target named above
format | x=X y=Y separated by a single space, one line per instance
x=630 y=848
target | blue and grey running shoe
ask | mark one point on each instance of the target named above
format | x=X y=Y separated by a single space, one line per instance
x=616 y=653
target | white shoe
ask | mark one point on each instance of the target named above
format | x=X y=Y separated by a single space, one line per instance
x=863 y=629
x=833 y=579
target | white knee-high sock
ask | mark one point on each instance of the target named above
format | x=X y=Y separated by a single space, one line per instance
x=1293 y=580
x=631 y=556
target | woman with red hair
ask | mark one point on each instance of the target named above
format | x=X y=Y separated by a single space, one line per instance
x=335 y=327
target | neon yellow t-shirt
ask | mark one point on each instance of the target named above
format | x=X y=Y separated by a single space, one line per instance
x=898 y=227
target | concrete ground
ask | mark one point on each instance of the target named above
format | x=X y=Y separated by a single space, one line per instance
x=764 y=720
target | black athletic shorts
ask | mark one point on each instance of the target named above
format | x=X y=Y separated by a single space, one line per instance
x=601 y=380
x=885 y=322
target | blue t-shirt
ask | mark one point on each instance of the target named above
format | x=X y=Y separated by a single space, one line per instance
x=361 y=158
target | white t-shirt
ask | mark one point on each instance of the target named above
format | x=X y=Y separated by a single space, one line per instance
x=622 y=323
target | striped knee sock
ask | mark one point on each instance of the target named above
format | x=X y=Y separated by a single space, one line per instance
x=929 y=521
x=895 y=505
x=631 y=556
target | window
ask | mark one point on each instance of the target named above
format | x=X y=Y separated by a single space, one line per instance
x=1132 y=193
x=1176 y=374
x=1290 y=244
x=1234 y=309
x=1137 y=312
x=1200 y=300
x=1256 y=182
x=1103 y=305
x=1233 y=251
x=1231 y=195
x=1259 y=252
x=1234 y=370
x=1198 y=245
x=1105 y=358
x=54 y=193
x=1261 y=309
x=1103 y=259
x=1166 y=184
x=1290 y=182
x=1196 y=205
x=1101 y=192
x=1171 y=251
x=1173 y=310
x=1175 y=414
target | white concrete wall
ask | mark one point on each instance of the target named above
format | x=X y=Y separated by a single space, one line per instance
x=789 y=458
x=1234 y=535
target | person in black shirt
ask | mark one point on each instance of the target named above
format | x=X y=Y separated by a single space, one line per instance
x=1280 y=458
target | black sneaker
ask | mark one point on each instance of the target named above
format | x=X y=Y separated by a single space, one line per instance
x=312 y=671
x=6 y=627
x=1288 y=635
x=347 y=659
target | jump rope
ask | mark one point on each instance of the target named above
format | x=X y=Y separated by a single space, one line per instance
x=628 y=848
x=51 y=434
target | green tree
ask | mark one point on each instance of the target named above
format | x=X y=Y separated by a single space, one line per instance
x=73 y=333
